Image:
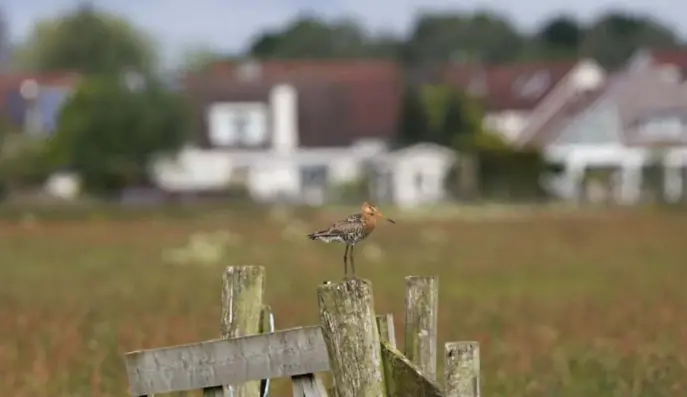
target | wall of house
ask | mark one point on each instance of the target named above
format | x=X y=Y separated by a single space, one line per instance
x=418 y=178
x=599 y=124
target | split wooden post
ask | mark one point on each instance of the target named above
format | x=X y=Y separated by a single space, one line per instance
x=387 y=331
x=461 y=369
x=349 y=329
x=422 y=306
x=242 y=293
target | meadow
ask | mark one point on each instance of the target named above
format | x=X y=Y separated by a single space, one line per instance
x=564 y=304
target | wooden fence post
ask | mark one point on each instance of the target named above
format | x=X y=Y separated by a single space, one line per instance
x=461 y=369
x=387 y=331
x=422 y=301
x=349 y=329
x=242 y=293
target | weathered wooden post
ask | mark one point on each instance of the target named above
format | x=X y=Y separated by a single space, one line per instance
x=242 y=293
x=422 y=306
x=461 y=369
x=349 y=329
x=387 y=331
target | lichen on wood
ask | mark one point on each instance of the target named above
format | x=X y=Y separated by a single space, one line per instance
x=349 y=329
x=420 y=332
x=461 y=369
x=387 y=331
x=242 y=293
x=403 y=378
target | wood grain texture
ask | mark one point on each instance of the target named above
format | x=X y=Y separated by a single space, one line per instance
x=421 y=321
x=461 y=369
x=387 y=331
x=403 y=378
x=349 y=328
x=285 y=353
x=308 y=385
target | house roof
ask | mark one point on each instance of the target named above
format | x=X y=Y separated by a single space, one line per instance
x=554 y=126
x=11 y=83
x=339 y=101
x=636 y=95
x=518 y=86
x=675 y=57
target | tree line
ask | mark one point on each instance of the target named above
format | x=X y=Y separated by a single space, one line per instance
x=123 y=111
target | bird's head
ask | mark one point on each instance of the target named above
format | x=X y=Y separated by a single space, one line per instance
x=371 y=210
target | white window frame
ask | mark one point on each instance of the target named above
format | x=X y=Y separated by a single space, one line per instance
x=220 y=116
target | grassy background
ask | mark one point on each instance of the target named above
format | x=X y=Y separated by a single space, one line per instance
x=563 y=303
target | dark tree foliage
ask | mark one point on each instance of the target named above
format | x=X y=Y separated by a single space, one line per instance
x=109 y=131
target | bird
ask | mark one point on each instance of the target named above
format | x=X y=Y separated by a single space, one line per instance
x=350 y=231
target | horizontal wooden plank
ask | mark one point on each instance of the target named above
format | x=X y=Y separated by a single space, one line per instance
x=284 y=353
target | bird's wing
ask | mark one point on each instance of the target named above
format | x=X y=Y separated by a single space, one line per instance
x=352 y=224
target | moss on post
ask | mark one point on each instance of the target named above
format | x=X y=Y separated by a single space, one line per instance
x=403 y=378
x=422 y=306
x=350 y=333
x=461 y=369
x=242 y=310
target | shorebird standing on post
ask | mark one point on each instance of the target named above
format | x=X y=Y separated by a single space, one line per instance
x=350 y=231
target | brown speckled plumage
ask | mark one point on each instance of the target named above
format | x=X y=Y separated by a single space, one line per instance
x=350 y=231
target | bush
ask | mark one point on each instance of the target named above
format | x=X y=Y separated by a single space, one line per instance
x=108 y=132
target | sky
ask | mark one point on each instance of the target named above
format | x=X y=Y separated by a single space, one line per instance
x=229 y=25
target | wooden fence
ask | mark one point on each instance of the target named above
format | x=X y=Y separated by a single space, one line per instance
x=355 y=345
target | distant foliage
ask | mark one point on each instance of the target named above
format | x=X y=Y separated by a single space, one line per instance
x=439 y=114
x=485 y=36
x=23 y=162
x=109 y=131
x=89 y=41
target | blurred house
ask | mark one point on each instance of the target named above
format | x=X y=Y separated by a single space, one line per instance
x=32 y=102
x=634 y=123
x=520 y=98
x=294 y=131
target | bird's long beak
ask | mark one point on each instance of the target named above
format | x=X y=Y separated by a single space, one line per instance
x=388 y=219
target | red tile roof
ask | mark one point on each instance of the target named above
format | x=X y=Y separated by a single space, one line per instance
x=368 y=93
x=506 y=86
x=675 y=57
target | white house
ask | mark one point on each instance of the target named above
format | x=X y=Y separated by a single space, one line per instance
x=520 y=98
x=637 y=118
x=413 y=176
x=293 y=130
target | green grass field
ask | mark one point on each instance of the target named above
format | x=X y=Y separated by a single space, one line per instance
x=563 y=304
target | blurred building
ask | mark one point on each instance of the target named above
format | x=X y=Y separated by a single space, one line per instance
x=300 y=130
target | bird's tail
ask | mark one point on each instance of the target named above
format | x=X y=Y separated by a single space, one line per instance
x=314 y=236
x=318 y=234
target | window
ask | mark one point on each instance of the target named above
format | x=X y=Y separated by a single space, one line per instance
x=660 y=128
x=314 y=175
x=243 y=124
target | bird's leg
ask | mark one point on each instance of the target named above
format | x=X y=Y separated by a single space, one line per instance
x=352 y=261
x=346 y=262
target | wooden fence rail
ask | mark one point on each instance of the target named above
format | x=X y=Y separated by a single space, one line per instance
x=354 y=344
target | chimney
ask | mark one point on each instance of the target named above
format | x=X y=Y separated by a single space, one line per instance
x=283 y=98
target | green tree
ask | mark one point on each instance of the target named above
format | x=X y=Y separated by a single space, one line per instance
x=560 y=37
x=5 y=45
x=482 y=36
x=88 y=41
x=413 y=122
x=310 y=37
x=109 y=130
x=614 y=37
